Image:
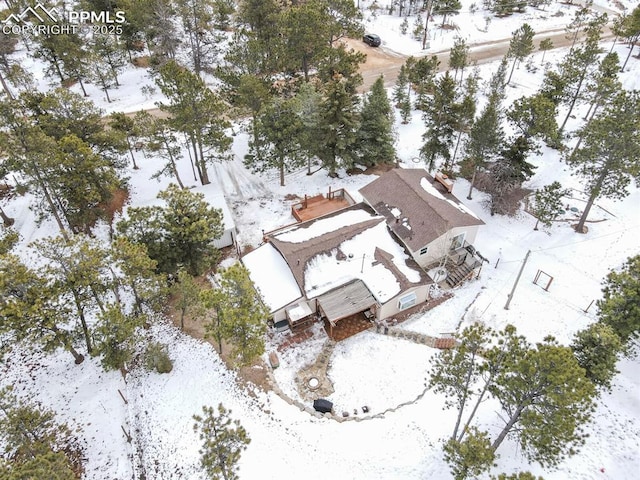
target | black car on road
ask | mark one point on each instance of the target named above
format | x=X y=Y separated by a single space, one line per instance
x=372 y=40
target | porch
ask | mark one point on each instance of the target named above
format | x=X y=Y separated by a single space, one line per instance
x=461 y=264
x=347 y=327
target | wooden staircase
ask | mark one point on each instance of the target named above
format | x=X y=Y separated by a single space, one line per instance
x=459 y=274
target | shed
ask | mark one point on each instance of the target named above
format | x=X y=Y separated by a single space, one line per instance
x=229 y=235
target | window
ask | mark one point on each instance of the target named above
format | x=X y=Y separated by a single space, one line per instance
x=407 y=301
x=424 y=250
x=457 y=241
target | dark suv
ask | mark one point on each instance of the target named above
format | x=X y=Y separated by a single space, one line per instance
x=372 y=40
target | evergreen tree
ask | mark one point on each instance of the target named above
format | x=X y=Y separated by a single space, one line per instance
x=520 y=46
x=547 y=203
x=338 y=126
x=77 y=266
x=116 y=337
x=440 y=116
x=630 y=30
x=401 y=95
x=546 y=44
x=608 y=156
x=596 y=349
x=12 y=73
x=421 y=74
x=508 y=173
x=134 y=276
x=535 y=116
x=32 y=309
x=277 y=129
x=152 y=22
x=375 y=135
x=35 y=444
x=465 y=111
x=197 y=112
x=197 y=17
x=241 y=315
x=186 y=292
x=223 y=442
x=546 y=401
x=470 y=457
x=110 y=54
x=459 y=57
x=577 y=67
x=454 y=372
x=307 y=103
x=445 y=8
x=161 y=140
x=180 y=234
x=620 y=304
x=485 y=138
x=130 y=129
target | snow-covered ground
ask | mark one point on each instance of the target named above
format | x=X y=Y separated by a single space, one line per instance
x=403 y=438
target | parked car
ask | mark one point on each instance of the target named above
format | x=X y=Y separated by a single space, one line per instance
x=372 y=40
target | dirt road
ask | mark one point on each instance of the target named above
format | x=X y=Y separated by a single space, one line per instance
x=382 y=61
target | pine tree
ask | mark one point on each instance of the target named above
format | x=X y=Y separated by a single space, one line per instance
x=546 y=401
x=375 y=135
x=470 y=457
x=465 y=111
x=520 y=46
x=546 y=44
x=241 y=315
x=620 y=302
x=186 y=292
x=454 y=372
x=77 y=266
x=197 y=18
x=421 y=74
x=630 y=30
x=130 y=129
x=35 y=443
x=134 y=276
x=401 y=95
x=32 y=308
x=161 y=140
x=445 y=8
x=153 y=21
x=535 y=116
x=547 y=203
x=180 y=234
x=307 y=103
x=116 y=337
x=485 y=138
x=277 y=129
x=197 y=112
x=441 y=118
x=597 y=349
x=608 y=156
x=338 y=127
x=110 y=54
x=223 y=442
x=459 y=57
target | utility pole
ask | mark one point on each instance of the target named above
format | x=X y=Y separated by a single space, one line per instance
x=426 y=24
x=515 y=284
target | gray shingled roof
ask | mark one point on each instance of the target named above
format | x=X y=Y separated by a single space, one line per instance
x=424 y=217
x=345 y=300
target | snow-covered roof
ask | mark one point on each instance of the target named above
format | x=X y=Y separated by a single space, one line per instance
x=415 y=207
x=355 y=243
x=271 y=276
x=217 y=200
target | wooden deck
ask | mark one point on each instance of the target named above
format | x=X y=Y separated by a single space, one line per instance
x=347 y=327
x=317 y=206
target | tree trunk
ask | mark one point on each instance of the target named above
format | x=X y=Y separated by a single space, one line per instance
x=592 y=198
x=84 y=92
x=473 y=180
x=573 y=100
x=83 y=322
x=5 y=87
x=282 y=175
x=203 y=165
x=467 y=380
x=631 y=47
x=513 y=67
x=455 y=151
x=7 y=220
x=78 y=357
x=52 y=206
x=507 y=428
x=106 y=93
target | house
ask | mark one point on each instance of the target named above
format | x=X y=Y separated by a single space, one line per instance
x=420 y=210
x=335 y=267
